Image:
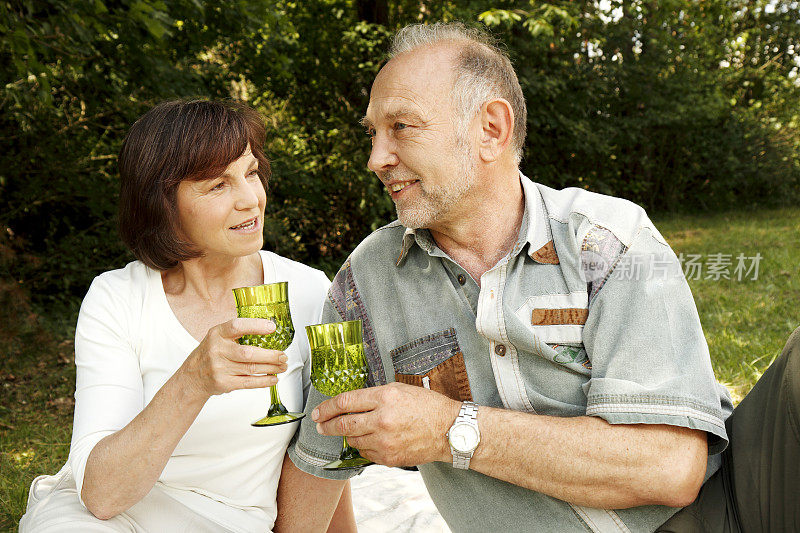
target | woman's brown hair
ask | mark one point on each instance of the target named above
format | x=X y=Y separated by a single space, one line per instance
x=175 y=141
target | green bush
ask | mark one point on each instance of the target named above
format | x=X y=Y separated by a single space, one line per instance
x=683 y=106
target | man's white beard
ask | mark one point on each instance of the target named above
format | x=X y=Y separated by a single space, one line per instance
x=432 y=204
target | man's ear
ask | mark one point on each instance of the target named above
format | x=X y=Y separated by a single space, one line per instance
x=497 y=128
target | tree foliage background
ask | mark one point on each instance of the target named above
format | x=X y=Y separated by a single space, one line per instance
x=676 y=105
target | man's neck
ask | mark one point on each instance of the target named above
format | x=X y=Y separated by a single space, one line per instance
x=486 y=230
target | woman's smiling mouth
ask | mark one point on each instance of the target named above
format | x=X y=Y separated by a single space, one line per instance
x=246 y=226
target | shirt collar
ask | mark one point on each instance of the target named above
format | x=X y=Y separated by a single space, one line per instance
x=422 y=237
x=535 y=230
x=538 y=236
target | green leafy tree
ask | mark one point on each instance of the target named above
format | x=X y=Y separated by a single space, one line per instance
x=76 y=75
x=676 y=105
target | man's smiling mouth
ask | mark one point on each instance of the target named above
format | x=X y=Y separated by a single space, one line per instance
x=399 y=186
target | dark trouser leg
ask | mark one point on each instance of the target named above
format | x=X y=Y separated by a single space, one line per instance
x=765 y=447
x=759 y=483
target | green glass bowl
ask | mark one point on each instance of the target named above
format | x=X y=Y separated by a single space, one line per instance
x=269 y=301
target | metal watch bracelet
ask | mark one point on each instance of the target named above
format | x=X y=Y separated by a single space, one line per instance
x=467 y=414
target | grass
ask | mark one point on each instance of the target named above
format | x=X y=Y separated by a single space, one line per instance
x=37 y=380
x=746 y=323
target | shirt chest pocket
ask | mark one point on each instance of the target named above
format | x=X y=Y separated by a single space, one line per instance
x=557 y=321
x=435 y=362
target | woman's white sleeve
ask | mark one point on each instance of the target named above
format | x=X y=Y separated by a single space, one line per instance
x=108 y=390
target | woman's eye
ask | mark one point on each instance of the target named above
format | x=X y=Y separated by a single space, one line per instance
x=253 y=173
x=218 y=186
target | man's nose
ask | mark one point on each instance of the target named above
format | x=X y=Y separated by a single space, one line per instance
x=383 y=155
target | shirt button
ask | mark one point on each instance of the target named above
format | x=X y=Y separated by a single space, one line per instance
x=500 y=350
x=462 y=279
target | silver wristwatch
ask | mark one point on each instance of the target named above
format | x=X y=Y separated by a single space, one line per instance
x=464 y=435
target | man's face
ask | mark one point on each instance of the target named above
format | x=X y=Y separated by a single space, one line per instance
x=416 y=152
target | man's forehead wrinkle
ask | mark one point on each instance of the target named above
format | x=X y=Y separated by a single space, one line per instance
x=405 y=113
x=416 y=84
x=432 y=62
x=409 y=92
x=395 y=106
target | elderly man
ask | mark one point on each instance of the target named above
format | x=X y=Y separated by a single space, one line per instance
x=537 y=353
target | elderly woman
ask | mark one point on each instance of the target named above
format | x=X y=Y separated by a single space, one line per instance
x=165 y=395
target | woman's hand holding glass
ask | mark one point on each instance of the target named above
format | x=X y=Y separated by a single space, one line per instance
x=220 y=364
x=269 y=301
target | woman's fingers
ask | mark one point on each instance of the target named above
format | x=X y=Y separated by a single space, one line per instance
x=255 y=382
x=251 y=369
x=224 y=365
x=254 y=354
x=235 y=328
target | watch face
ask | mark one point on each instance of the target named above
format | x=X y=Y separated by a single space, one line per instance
x=464 y=438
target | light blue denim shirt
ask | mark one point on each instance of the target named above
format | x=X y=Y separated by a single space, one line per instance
x=589 y=314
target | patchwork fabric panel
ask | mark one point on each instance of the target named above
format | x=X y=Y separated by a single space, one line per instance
x=448 y=378
x=571 y=356
x=435 y=362
x=549 y=317
x=347 y=301
x=546 y=254
x=600 y=253
x=421 y=355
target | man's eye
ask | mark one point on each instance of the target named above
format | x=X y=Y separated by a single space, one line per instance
x=370 y=132
x=400 y=126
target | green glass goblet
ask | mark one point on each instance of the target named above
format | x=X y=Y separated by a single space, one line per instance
x=338 y=365
x=269 y=301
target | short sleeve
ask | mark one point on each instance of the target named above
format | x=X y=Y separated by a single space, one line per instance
x=649 y=357
x=109 y=390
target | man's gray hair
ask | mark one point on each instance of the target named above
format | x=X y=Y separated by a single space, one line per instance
x=482 y=71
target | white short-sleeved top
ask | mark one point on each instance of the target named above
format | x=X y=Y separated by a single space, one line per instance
x=128 y=343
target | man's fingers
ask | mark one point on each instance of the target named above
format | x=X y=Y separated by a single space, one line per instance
x=233 y=329
x=351 y=425
x=363 y=445
x=356 y=401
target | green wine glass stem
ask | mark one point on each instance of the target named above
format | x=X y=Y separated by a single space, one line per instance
x=348 y=452
x=276 y=407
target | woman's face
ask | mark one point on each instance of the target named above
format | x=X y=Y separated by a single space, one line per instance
x=224 y=216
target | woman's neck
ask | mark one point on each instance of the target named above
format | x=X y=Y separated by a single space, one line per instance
x=210 y=279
